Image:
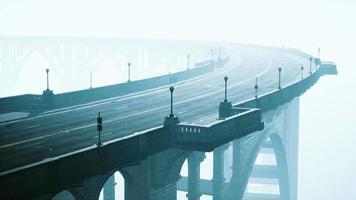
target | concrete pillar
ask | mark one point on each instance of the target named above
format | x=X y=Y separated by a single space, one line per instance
x=109 y=188
x=282 y=166
x=194 y=161
x=89 y=189
x=218 y=172
x=156 y=177
x=236 y=149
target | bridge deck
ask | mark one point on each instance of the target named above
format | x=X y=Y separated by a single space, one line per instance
x=55 y=133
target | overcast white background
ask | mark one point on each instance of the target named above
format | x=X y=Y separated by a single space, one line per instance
x=327 y=133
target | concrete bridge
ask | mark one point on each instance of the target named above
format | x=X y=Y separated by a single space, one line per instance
x=150 y=160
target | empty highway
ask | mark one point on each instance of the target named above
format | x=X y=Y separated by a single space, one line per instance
x=57 y=132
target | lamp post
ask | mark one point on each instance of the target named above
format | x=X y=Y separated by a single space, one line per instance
x=129 y=72
x=188 y=61
x=47 y=71
x=91 y=80
x=256 y=88
x=219 y=52
x=319 y=53
x=211 y=54
x=279 y=77
x=171 y=89
x=302 y=69
x=225 y=79
x=310 y=63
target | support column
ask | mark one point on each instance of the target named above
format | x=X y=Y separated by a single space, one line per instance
x=194 y=161
x=90 y=189
x=236 y=149
x=218 y=172
x=109 y=188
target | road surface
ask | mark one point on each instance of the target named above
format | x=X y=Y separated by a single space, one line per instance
x=61 y=131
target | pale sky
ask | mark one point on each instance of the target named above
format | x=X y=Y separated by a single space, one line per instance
x=304 y=24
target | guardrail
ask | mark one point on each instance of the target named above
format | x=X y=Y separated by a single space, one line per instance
x=25 y=103
x=207 y=137
x=36 y=103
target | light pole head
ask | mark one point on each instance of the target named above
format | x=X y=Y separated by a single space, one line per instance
x=129 y=64
x=47 y=70
x=279 y=69
x=302 y=67
x=171 y=89
x=226 y=78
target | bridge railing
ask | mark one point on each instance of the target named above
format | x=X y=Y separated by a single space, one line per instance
x=21 y=103
x=207 y=137
x=33 y=102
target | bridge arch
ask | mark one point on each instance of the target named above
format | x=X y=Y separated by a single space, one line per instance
x=282 y=166
x=114 y=185
x=64 y=195
x=268 y=173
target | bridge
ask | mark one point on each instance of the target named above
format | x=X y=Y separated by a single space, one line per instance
x=55 y=150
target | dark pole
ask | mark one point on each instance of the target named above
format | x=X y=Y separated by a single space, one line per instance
x=129 y=73
x=188 y=61
x=310 y=61
x=99 y=121
x=225 y=79
x=302 y=69
x=171 y=89
x=279 y=77
x=47 y=71
x=256 y=88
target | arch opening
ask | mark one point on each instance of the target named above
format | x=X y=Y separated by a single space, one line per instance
x=269 y=176
x=113 y=188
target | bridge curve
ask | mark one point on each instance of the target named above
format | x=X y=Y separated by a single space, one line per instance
x=149 y=146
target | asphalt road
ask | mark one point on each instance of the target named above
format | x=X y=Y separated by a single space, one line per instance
x=61 y=131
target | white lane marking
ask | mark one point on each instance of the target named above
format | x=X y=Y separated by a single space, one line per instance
x=28 y=140
x=103 y=134
x=121 y=98
x=121 y=108
x=138 y=113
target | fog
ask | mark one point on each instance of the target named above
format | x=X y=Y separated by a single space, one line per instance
x=327 y=157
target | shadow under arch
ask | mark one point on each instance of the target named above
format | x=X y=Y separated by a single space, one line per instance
x=91 y=188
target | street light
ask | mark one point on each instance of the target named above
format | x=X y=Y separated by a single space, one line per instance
x=279 y=77
x=219 y=52
x=310 y=63
x=319 y=53
x=129 y=72
x=47 y=71
x=188 y=61
x=91 y=80
x=302 y=69
x=225 y=79
x=171 y=89
x=211 y=54
x=256 y=88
